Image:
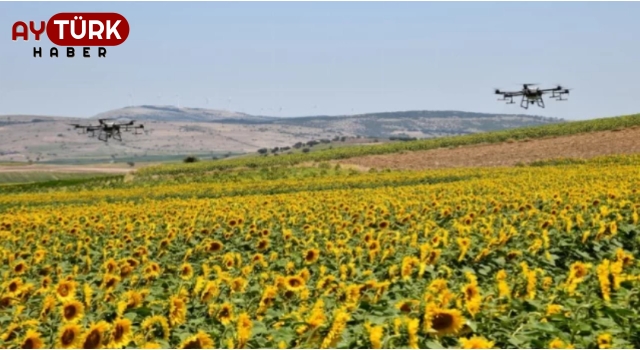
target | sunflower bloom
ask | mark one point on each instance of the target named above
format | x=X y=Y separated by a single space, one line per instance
x=199 y=341
x=413 y=326
x=604 y=341
x=69 y=337
x=32 y=340
x=66 y=290
x=335 y=332
x=72 y=311
x=443 y=321
x=225 y=314
x=375 y=336
x=311 y=256
x=121 y=333
x=177 y=311
x=244 y=329
x=476 y=343
x=95 y=337
x=294 y=283
x=186 y=271
x=156 y=326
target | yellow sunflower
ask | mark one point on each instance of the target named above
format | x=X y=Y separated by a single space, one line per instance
x=47 y=305
x=215 y=246
x=186 y=271
x=157 y=326
x=199 y=341
x=211 y=290
x=471 y=291
x=263 y=244
x=121 y=333
x=311 y=256
x=72 y=311
x=95 y=337
x=225 y=313
x=14 y=285
x=69 y=337
x=177 y=311
x=244 y=329
x=294 y=283
x=20 y=268
x=445 y=321
x=476 y=343
x=110 y=282
x=238 y=284
x=604 y=341
x=66 y=290
x=32 y=340
x=133 y=299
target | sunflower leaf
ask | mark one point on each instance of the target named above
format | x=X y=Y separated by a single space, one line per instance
x=131 y=316
x=142 y=311
x=433 y=344
x=259 y=328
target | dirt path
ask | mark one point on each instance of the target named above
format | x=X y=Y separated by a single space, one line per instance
x=63 y=169
x=508 y=154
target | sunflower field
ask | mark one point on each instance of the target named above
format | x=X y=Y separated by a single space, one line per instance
x=525 y=257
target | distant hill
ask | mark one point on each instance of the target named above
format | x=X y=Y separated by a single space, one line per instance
x=173 y=114
x=173 y=132
x=421 y=124
x=410 y=123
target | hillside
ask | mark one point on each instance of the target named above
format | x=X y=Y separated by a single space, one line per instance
x=171 y=113
x=172 y=133
x=420 y=124
x=392 y=149
x=510 y=153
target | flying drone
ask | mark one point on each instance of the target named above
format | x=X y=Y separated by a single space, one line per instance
x=109 y=129
x=532 y=96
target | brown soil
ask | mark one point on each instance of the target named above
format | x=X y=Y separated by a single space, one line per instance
x=582 y=146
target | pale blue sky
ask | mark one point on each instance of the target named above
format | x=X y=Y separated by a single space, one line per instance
x=334 y=58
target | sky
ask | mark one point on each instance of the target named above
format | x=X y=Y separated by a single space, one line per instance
x=333 y=58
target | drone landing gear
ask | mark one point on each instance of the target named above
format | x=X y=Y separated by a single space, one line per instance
x=526 y=102
x=105 y=138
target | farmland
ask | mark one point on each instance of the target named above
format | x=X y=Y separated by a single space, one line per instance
x=255 y=252
x=520 y=134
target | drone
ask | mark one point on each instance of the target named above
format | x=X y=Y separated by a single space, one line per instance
x=531 y=96
x=109 y=129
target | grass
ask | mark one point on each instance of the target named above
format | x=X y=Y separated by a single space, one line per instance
x=24 y=177
x=76 y=181
x=160 y=158
x=10 y=163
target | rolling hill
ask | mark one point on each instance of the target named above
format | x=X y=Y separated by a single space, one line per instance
x=172 y=132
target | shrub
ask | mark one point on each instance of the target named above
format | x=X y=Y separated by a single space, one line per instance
x=190 y=159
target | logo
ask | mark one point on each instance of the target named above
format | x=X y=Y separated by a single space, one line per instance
x=70 y=30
